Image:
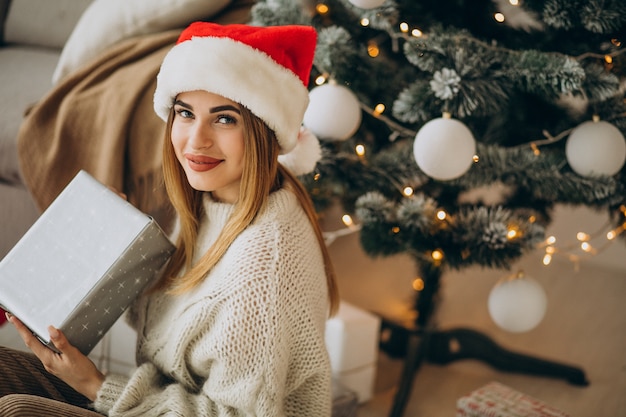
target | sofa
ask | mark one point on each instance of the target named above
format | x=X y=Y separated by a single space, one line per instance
x=43 y=42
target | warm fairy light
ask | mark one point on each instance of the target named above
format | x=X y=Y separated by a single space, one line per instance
x=550 y=250
x=475 y=158
x=379 y=109
x=611 y=235
x=317 y=177
x=347 y=220
x=372 y=50
x=359 y=149
x=616 y=42
x=441 y=215
x=532 y=219
x=437 y=255
x=416 y=33
x=551 y=240
x=582 y=236
x=418 y=284
x=321 y=8
x=408 y=191
x=499 y=17
x=535 y=149
x=365 y=22
x=404 y=27
x=514 y=2
x=547 y=258
x=511 y=234
x=395 y=229
x=585 y=246
x=321 y=79
x=608 y=59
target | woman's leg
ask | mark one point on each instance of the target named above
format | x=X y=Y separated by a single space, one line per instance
x=23 y=405
x=23 y=373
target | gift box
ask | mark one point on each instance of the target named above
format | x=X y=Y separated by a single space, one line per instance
x=498 y=400
x=352 y=343
x=81 y=264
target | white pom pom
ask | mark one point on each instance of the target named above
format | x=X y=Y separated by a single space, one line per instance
x=304 y=157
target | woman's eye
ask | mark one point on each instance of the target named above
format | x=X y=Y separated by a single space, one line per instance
x=184 y=113
x=226 y=119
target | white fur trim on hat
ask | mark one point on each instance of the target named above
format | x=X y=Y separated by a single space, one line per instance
x=269 y=90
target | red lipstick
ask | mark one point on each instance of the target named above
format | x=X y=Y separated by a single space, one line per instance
x=201 y=163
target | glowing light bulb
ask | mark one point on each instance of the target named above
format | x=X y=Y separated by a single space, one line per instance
x=551 y=240
x=408 y=191
x=514 y=2
x=395 y=229
x=365 y=22
x=321 y=8
x=547 y=258
x=372 y=50
x=418 y=284
x=437 y=255
x=475 y=158
x=611 y=235
x=511 y=234
x=404 y=27
x=359 y=149
x=499 y=17
x=379 y=109
x=586 y=247
x=416 y=33
x=582 y=236
x=320 y=80
x=441 y=215
x=347 y=220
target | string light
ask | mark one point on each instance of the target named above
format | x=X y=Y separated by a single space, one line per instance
x=499 y=17
x=547 y=258
x=321 y=8
x=437 y=255
x=321 y=79
x=418 y=284
x=347 y=220
x=365 y=22
x=359 y=150
x=372 y=49
x=514 y=2
x=441 y=215
x=416 y=33
x=404 y=27
x=378 y=110
x=407 y=191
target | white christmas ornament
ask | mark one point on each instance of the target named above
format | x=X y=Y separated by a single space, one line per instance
x=334 y=112
x=367 y=4
x=444 y=148
x=517 y=304
x=596 y=148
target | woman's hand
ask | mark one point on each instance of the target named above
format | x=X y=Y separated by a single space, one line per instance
x=71 y=366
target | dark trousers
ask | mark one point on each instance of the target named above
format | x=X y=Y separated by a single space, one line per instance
x=28 y=390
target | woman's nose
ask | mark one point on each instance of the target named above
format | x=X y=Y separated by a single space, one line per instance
x=200 y=137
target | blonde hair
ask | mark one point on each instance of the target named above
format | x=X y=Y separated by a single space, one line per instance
x=261 y=175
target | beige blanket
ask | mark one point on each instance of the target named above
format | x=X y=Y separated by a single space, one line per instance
x=101 y=119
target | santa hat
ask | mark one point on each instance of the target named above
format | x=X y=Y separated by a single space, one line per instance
x=265 y=69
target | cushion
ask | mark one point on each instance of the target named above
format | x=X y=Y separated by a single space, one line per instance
x=45 y=23
x=106 y=22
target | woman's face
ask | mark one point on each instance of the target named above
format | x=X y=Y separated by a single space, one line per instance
x=207 y=136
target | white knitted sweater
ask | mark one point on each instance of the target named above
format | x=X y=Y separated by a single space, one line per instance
x=249 y=341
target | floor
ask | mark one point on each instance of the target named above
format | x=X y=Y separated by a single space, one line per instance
x=584 y=326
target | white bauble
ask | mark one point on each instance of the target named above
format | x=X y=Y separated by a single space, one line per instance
x=444 y=148
x=367 y=4
x=518 y=304
x=596 y=148
x=334 y=112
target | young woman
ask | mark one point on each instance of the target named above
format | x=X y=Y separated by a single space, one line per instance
x=235 y=325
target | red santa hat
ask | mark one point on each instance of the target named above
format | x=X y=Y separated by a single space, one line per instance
x=265 y=69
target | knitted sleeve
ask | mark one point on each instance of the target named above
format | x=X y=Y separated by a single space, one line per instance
x=252 y=345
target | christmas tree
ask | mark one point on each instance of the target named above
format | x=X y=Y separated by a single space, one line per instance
x=421 y=104
x=451 y=129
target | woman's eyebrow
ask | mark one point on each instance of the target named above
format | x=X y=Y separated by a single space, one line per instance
x=224 y=108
